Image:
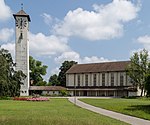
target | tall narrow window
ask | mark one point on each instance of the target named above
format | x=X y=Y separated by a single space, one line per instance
x=103 y=79
x=112 y=79
x=121 y=79
x=86 y=80
x=78 y=80
x=94 y=79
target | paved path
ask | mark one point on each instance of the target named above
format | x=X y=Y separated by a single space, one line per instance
x=118 y=116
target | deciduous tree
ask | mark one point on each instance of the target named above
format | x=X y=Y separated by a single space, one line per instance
x=147 y=85
x=10 y=80
x=63 y=69
x=138 y=69
x=37 y=70
x=53 y=80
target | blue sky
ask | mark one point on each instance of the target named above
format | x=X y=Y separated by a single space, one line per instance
x=86 y=31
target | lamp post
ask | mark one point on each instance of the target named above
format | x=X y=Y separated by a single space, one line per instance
x=75 y=89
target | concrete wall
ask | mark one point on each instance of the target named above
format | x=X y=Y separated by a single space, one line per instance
x=22 y=56
x=72 y=79
x=50 y=93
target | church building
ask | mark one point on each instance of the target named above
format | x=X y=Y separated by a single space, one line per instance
x=99 y=79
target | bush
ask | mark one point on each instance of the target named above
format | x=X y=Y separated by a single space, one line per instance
x=5 y=98
x=130 y=97
x=63 y=93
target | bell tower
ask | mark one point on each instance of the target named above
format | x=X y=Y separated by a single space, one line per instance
x=22 y=48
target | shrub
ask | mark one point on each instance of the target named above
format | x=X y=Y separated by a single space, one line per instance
x=5 y=98
x=63 y=93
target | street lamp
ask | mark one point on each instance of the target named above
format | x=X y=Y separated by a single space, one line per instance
x=74 y=88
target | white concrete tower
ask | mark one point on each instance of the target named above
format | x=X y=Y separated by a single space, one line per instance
x=22 y=48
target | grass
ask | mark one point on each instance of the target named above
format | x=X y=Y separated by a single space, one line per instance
x=53 y=112
x=134 y=107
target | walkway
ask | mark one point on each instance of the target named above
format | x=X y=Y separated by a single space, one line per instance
x=118 y=116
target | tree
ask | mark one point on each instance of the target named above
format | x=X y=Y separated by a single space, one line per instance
x=37 y=70
x=53 y=80
x=147 y=85
x=16 y=81
x=66 y=65
x=10 y=80
x=138 y=69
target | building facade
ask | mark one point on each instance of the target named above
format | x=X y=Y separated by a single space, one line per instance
x=99 y=79
x=22 y=48
x=47 y=90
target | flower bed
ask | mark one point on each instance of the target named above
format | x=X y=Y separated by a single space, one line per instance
x=31 y=99
x=38 y=99
x=20 y=98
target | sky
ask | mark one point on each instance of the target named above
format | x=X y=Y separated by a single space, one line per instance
x=86 y=31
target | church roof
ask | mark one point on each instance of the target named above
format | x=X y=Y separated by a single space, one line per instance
x=99 y=67
x=22 y=13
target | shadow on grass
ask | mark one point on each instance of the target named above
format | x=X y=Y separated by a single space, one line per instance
x=145 y=108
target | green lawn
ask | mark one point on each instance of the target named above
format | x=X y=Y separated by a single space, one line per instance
x=134 y=107
x=53 y=112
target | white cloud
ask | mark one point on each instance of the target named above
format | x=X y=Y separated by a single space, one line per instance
x=47 y=18
x=5 y=11
x=55 y=71
x=94 y=59
x=72 y=55
x=10 y=47
x=145 y=40
x=6 y=34
x=47 y=45
x=104 y=22
x=135 y=50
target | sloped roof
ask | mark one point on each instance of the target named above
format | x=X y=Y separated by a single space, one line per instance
x=47 y=88
x=22 y=13
x=99 y=67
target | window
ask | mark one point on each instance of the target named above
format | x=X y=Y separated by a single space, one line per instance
x=121 y=79
x=103 y=79
x=86 y=80
x=21 y=36
x=78 y=80
x=112 y=79
x=94 y=79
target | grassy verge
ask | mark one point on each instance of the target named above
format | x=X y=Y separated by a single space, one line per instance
x=134 y=107
x=53 y=112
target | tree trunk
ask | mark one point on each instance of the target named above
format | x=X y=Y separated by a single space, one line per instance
x=142 y=91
